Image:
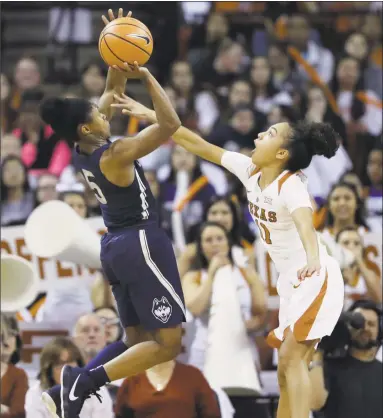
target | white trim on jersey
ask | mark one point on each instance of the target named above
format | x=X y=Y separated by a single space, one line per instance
x=157 y=272
x=144 y=203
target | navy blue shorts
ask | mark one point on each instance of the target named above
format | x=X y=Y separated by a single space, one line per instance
x=141 y=268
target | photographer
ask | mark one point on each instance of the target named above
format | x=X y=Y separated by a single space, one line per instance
x=345 y=375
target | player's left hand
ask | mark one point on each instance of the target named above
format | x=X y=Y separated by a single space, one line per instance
x=111 y=16
x=312 y=267
x=132 y=108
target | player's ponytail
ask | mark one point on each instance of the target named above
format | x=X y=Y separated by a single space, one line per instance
x=65 y=115
x=309 y=139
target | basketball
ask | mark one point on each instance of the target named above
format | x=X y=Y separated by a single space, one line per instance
x=125 y=40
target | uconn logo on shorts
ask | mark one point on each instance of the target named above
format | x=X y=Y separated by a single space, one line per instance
x=162 y=310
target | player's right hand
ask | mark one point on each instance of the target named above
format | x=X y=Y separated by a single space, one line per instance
x=111 y=16
x=132 y=71
x=218 y=261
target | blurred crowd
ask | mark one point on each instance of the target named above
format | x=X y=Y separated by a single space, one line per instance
x=228 y=88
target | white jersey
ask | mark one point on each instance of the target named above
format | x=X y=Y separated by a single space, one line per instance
x=271 y=210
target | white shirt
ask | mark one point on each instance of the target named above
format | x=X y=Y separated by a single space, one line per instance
x=34 y=407
x=272 y=208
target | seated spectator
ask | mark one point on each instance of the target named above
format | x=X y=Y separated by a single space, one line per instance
x=321 y=59
x=225 y=212
x=10 y=146
x=184 y=161
x=27 y=75
x=360 y=281
x=170 y=390
x=56 y=354
x=265 y=94
x=46 y=188
x=109 y=317
x=8 y=115
x=42 y=150
x=351 y=386
x=93 y=79
x=214 y=250
x=75 y=198
x=17 y=200
x=374 y=194
x=240 y=130
x=14 y=381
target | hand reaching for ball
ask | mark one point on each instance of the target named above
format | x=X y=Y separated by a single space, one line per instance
x=132 y=108
x=111 y=16
x=132 y=71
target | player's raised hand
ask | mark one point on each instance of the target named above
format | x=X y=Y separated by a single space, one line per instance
x=133 y=108
x=111 y=16
x=132 y=70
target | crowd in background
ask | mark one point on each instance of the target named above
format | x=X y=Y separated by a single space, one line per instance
x=228 y=89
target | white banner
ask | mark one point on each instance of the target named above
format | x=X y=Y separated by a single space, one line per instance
x=49 y=270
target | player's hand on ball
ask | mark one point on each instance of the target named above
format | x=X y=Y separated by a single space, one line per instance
x=132 y=71
x=132 y=108
x=312 y=267
x=111 y=16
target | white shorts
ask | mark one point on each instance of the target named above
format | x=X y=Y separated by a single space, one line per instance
x=311 y=308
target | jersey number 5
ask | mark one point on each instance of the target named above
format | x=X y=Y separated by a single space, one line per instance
x=265 y=233
x=89 y=177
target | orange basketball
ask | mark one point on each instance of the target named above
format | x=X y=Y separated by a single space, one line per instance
x=125 y=40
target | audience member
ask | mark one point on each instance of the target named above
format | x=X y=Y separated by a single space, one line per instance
x=10 y=146
x=374 y=195
x=109 y=318
x=46 y=188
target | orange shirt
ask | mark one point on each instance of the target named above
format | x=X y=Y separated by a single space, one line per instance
x=187 y=395
x=14 y=386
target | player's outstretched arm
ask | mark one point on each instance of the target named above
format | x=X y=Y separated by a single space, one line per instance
x=125 y=151
x=115 y=80
x=183 y=136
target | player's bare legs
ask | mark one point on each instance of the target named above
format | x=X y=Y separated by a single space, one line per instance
x=157 y=347
x=293 y=377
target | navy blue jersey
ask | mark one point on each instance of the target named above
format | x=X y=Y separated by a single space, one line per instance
x=121 y=207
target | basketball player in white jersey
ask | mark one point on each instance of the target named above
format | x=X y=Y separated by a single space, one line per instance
x=310 y=283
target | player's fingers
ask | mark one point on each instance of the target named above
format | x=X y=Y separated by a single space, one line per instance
x=127 y=112
x=125 y=96
x=110 y=14
x=129 y=14
x=104 y=19
x=120 y=12
x=136 y=66
x=117 y=68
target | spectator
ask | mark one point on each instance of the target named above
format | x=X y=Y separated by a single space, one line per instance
x=359 y=279
x=352 y=178
x=89 y=334
x=10 y=146
x=46 y=188
x=57 y=353
x=225 y=212
x=111 y=322
x=93 y=79
x=168 y=390
x=374 y=194
x=240 y=130
x=42 y=150
x=184 y=161
x=265 y=94
x=16 y=198
x=351 y=387
x=280 y=113
x=321 y=59
x=214 y=250
x=8 y=115
x=27 y=76
x=14 y=381
x=76 y=200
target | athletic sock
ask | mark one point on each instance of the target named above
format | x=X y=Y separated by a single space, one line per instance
x=110 y=352
x=99 y=376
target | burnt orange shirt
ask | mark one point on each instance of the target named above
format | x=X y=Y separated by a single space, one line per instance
x=14 y=386
x=187 y=395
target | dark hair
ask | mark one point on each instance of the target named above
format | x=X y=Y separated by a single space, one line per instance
x=95 y=63
x=200 y=261
x=309 y=139
x=235 y=235
x=345 y=229
x=371 y=306
x=360 y=211
x=4 y=187
x=65 y=115
x=9 y=326
x=195 y=174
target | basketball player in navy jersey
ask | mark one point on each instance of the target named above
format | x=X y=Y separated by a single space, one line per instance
x=136 y=254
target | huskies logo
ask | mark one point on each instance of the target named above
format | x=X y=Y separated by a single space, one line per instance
x=162 y=309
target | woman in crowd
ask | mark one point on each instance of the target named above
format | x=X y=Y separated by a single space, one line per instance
x=14 y=381
x=169 y=389
x=93 y=79
x=46 y=189
x=225 y=212
x=17 y=200
x=57 y=353
x=360 y=280
x=214 y=250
